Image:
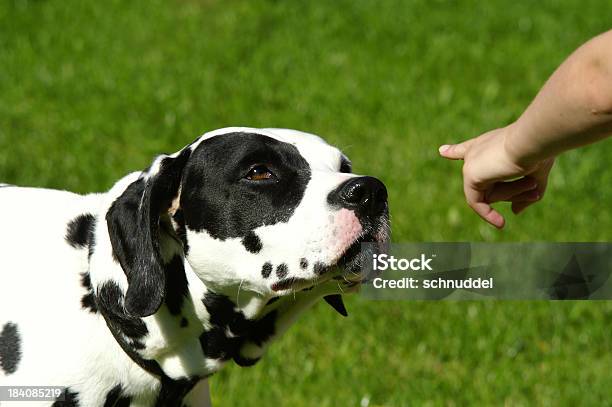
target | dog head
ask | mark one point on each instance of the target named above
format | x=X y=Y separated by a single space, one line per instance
x=270 y=211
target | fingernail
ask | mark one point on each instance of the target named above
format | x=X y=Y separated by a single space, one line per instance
x=443 y=148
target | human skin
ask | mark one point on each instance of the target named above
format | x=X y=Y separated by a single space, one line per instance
x=512 y=163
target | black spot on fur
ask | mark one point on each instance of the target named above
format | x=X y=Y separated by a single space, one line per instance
x=122 y=325
x=217 y=198
x=303 y=263
x=10 y=348
x=252 y=242
x=223 y=313
x=282 y=270
x=320 y=268
x=110 y=302
x=217 y=345
x=181 y=230
x=68 y=398
x=176 y=285
x=88 y=301
x=79 y=231
x=266 y=270
x=114 y=398
x=261 y=330
x=172 y=392
x=92 y=239
x=184 y=322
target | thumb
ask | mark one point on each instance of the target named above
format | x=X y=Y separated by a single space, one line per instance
x=454 y=151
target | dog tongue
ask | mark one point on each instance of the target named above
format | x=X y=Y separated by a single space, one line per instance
x=336 y=302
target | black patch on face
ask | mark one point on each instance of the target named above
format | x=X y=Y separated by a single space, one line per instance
x=217 y=197
x=282 y=270
x=114 y=398
x=10 y=348
x=184 y=322
x=303 y=263
x=172 y=392
x=319 y=268
x=181 y=230
x=68 y=398
x=252 y=242
x=176 y=285
x=79 y=230
x=88 y=301
x=266 y=270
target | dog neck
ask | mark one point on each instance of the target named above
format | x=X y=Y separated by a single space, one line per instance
x=196 y=329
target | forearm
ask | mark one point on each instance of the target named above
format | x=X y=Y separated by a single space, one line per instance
x=572 y=109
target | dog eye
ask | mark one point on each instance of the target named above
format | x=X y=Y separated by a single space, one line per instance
x=259 y=173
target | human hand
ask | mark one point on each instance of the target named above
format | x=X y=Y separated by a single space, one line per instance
x=491 y=173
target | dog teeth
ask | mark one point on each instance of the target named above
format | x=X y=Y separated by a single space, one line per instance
x=336 y=302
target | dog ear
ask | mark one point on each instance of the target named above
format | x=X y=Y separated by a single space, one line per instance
x=134 y=227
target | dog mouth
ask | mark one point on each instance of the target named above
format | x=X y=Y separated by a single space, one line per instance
x=352 y=261
x=294 y=283
x=349 y=265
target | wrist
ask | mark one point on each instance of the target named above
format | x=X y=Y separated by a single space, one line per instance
x=511 y=148
x=519 y=146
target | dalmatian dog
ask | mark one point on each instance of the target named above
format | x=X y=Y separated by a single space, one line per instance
x=134 y=297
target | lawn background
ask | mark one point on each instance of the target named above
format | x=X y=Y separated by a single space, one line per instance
x=92 y=90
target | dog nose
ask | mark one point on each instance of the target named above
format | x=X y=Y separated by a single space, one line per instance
x=366 y=195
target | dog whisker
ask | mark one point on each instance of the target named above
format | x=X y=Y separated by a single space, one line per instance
x=238 y=294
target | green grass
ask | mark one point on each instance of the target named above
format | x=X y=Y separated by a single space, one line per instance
x=92 y=90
